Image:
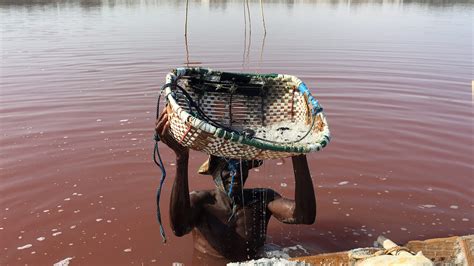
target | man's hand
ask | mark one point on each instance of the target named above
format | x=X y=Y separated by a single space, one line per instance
x=163 y=130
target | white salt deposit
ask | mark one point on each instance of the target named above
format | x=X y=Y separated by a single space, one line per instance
x=287 y=132
x=127 y=250
x=64 y=262
x=343 y=183
x=283 y=185
x=98 y=220
x=427 y=206
x=453 y=207
x=24 y=247
x=41 y=238
x=56 y=234
x=269 y=262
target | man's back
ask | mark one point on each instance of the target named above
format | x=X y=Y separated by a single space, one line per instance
x=220 y=231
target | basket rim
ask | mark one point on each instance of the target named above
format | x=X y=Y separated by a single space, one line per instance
x=193 y=121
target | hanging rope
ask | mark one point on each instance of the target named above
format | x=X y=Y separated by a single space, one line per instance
x=263 y=18
x=232 y=166
x=232 y=171
x=159 y=162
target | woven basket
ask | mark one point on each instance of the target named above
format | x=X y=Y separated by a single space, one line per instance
x=244 y=116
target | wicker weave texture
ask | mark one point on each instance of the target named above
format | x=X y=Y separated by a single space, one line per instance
x=282 y=102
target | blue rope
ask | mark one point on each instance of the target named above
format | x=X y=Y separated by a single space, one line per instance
x=233 y=171
x=159 y=163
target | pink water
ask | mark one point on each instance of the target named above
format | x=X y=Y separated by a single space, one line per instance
x=79 y=82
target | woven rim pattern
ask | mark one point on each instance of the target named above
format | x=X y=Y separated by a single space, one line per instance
x=288 y=98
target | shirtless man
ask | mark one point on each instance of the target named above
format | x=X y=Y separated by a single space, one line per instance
x=227 y=222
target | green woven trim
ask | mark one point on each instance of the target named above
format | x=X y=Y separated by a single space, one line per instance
x=235 y=137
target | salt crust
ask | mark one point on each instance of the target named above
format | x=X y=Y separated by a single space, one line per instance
x=287 y=132
x=269 y=262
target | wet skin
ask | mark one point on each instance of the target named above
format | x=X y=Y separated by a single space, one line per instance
x=207 y=213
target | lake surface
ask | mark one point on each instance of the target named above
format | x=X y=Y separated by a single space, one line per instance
x=79 y=82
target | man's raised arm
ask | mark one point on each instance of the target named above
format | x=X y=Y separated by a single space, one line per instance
x=181 y=211
x=302 y=210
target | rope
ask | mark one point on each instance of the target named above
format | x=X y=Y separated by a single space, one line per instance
x=159 y=162
x=233 y=171
x=232 y=167
x=201 y=115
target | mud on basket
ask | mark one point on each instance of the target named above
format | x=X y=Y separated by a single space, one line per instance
x=244 y=116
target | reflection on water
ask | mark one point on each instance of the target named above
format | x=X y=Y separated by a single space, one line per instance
x=79 y=82
x=223 y=4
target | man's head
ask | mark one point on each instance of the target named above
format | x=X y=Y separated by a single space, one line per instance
x=229 y=175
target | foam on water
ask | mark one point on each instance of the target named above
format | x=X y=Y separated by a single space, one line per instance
x=24 y=247
x=64 y=262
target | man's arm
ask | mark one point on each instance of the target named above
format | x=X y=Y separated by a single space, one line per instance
x=302 y=210
x=182 y=210
x=180 y=204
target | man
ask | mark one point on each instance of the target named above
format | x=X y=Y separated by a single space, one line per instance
x=227 y=221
